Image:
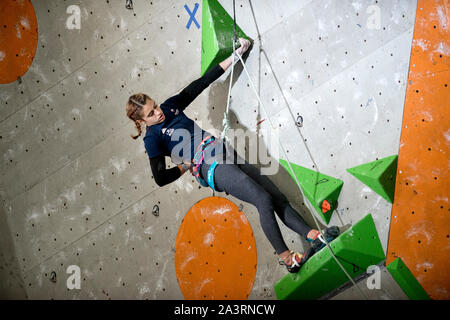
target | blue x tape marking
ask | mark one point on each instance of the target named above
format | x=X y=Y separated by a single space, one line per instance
x=192 y=16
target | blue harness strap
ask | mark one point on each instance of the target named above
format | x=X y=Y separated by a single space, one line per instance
x=211 y=171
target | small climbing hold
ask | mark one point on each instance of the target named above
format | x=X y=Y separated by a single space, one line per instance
x=155 y=210
x=53 y=277
x=325 y=206
x=299 y=121
x=129 y=4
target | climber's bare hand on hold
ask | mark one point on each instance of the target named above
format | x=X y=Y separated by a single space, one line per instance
x=245 y=44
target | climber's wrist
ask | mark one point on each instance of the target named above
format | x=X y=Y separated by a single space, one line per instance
x=186 y=166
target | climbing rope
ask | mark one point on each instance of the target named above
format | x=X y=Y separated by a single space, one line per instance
x=226 y=124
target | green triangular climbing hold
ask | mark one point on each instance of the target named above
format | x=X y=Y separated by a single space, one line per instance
x=356 y=249
x=379 y=176
x=321 y=190
x=217 y=34
x=406 y=280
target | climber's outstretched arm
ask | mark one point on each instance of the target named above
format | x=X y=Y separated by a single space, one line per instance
x=189 y=93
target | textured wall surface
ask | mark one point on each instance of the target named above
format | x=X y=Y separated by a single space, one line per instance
x=79 y=191
x=11 y=284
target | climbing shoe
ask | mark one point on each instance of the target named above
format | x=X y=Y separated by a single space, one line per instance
x=318 y=242
x=298 y=260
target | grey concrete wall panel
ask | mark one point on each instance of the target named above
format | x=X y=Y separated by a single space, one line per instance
x=11 y=280
x=37 y=141
x=61 y=51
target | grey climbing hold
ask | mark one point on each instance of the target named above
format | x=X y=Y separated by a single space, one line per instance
x=129 y=4
x=299 y=121
x=155 y=210
x=53 y=277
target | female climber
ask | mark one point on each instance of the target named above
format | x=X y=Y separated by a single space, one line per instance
x=216 y=164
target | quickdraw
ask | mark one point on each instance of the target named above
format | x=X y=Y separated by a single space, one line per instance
x=209 y=140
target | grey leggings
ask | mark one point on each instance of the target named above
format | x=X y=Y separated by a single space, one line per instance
x=245 y=182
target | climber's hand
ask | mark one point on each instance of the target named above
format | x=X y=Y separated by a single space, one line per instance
x=185 y=167
x=245 y=44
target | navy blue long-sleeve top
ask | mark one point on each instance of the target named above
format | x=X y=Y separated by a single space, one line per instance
x=178 y=135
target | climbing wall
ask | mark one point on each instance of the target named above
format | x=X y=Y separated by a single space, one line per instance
x=78 y=191
x=419 y=232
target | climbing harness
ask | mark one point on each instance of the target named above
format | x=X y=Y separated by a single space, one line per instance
x=225 y=121
x=197 y=161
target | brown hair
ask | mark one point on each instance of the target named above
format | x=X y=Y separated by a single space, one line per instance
x=134 y=107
